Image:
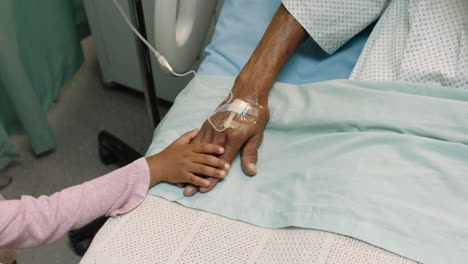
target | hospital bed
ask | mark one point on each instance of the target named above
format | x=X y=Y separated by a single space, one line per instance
x=160 y=231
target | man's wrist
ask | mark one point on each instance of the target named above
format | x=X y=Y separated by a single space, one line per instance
x=255 y=92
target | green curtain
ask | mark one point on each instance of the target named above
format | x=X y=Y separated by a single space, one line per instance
x=39 y=52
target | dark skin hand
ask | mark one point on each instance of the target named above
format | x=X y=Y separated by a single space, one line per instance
x=182 y=162
x=281 y=39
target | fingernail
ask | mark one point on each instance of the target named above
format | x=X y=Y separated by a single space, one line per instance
x=227 y=166
x=253 y=168
x=206 y=183
x=221 y=150
x=222 y=173
x=189 y=191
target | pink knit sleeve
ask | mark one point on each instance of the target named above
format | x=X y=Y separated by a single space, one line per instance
x=31 y=222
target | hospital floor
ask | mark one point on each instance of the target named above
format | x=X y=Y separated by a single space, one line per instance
x=84 y=107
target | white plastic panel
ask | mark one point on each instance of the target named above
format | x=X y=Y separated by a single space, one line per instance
x=114 y=42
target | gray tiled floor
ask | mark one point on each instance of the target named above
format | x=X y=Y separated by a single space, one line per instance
x=84 y=107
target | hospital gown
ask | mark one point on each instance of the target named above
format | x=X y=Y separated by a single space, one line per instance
x=423 y=41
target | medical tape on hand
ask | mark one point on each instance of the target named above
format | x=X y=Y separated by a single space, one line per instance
x=245 y=112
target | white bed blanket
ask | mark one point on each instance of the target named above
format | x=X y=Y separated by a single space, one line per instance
x=160 y=231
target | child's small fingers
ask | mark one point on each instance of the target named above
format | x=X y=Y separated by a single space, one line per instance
x=187 y=137
x=211 y=161
x=207 y=148
x=207 y=171
x=197 y=181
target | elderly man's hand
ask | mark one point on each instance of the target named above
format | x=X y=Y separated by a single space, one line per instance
x=281 y=39
x=246 y=139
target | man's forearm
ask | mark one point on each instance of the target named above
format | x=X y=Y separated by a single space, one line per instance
x=282 y=37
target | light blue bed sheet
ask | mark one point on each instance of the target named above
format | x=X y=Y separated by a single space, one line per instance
x=241 y=26
x=383 y=162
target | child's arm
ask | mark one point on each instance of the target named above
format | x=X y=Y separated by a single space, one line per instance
x=31 y=222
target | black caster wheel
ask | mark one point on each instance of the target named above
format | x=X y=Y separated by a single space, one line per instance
x=113 y=150
x=106 y=156
x=105 y=153
x=80 y=239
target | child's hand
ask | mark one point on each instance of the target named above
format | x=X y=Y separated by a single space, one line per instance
x=181 y=162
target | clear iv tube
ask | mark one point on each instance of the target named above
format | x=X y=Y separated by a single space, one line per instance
x=162 y=60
